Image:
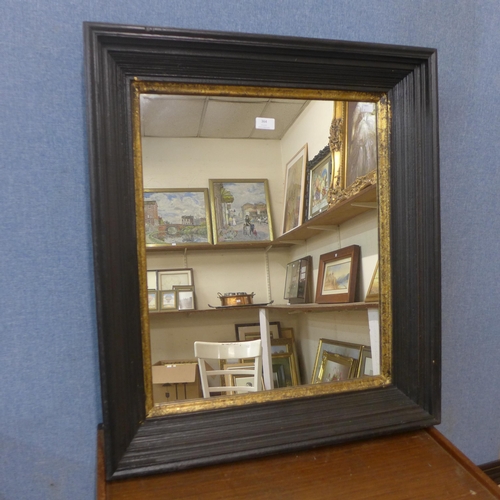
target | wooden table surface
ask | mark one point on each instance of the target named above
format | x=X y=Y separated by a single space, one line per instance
x=413 y=466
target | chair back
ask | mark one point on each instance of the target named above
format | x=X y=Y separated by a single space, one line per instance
x=241 y=377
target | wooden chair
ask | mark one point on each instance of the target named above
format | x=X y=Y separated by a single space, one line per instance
x=247 y=351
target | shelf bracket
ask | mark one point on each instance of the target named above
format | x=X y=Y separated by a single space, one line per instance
x=365 y=204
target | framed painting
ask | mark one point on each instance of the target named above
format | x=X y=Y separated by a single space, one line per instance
x=285 y=373
x=337 y=276
x=347 y=349
x=365 y=365
x=168 y=300
x=335 y=367
x=318 y=181
x=293 y=207
x=372 y=294
x=152 y=300
x=176 y=217
x=297 y=281
x=240 y=210
x=361 y=144
x=185 y=298
x=251 y=331
x=169 y=278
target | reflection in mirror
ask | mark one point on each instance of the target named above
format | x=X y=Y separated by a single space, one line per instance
x=222 y=178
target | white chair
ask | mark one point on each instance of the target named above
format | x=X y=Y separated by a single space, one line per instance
x=204 y=351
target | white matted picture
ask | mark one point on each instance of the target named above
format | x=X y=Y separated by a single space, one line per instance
x=185 y=298
x=168 y=278
x=295 y=183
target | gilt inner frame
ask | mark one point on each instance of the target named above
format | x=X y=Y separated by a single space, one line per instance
x=140 y=87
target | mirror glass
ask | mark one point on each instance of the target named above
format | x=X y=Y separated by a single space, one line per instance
x=248 y=203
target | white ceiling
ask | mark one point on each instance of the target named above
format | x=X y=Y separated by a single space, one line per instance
x=216 y=117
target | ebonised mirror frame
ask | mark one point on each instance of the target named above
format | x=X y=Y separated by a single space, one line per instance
x=117 y=56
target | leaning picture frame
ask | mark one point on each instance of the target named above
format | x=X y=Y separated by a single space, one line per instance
x=285 y=372
x=293 y=205
x=168 y=300
x=241 y=211
x=318 y=180
x=335 y=368
x=365 y=365
x=346 y=349
x=175 y=217
x=297 y=280
x=152 y=300
x=185 y=297
x=337 y=276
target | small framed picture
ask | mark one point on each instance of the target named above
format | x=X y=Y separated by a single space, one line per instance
x=297 y=282
x=168 y=300
x=185 y=297
x=240 y=210
x=335 y=367
x=152 y=300
x=282 y=346
x=168 y=278
x=293 y=209
x=251 y=331
x=365 y=365
x=176 y=217
x=337 y=276
x=318 y=180
x=346 y=349
x=372 y=295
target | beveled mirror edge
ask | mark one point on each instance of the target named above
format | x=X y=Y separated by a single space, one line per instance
x=113 y=58
x=140 y=87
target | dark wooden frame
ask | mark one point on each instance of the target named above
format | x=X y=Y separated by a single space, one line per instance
x=351 y=251
x=324 y=154
x=115 y=56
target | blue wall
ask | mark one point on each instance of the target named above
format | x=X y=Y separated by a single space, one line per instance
x=50 y=403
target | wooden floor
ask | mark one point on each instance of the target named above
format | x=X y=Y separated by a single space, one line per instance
x=413 y=466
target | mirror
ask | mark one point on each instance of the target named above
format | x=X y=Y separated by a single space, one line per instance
x=188 y=139
x=123 y=62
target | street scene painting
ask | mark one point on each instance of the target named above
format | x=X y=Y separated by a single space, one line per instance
x=176 y=217
x=240 y=210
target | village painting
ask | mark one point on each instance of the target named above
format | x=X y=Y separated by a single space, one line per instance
x=176 y=217
x=240 y=210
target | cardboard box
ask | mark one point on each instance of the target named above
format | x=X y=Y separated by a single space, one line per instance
x=175 y=380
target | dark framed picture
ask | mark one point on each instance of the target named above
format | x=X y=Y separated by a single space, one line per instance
x=293 y=208
x=297 y=281
x=285 y=373
x=361 y=147
x=176 y=217
x=372 y=295
x=240 y=210
x=365 y=364
x=185 y=297
x=346 y=349
x=337 y=276
x=335 y=367
x=251 y=331
x=318 y=181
